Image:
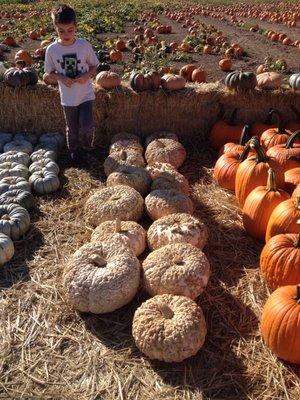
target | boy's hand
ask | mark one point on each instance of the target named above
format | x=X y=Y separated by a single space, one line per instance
x=82 y=78
x=66 y=81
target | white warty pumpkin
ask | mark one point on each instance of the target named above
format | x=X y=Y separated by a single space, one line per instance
x=110 y=203
x=179 y=269
x=169 y=328
x=102 y=277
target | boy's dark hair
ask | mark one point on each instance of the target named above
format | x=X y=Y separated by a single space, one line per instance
x=63 y=14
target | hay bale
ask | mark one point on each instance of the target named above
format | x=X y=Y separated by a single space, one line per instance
x=189 y=112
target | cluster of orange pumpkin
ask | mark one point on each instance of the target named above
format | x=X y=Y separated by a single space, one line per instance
x=264 y=172
x=281 y=37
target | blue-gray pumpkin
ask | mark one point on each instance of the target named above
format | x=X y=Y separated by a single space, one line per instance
x=241 y=81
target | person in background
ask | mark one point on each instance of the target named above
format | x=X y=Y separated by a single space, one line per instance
x=72 y=63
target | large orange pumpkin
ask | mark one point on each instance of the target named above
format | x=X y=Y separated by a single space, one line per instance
x=225 y=169
x=259 y=205
x=237 y=147
x=273 y=136
x=259 y=127
x=288 y=155
x=284 y=218
x=280 y=260
x=253 y=172
x=280 y=323
x=292 y=179
x=225 y=131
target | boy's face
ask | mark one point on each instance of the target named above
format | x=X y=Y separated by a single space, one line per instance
x=66 y=32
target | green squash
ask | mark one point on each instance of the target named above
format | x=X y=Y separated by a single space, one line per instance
x=241 y=81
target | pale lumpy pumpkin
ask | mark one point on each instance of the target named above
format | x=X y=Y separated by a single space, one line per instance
x=169 y=328
x=101 y=277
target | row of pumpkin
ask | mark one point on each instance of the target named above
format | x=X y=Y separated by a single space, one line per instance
x=27 y=164
x=236 y=80
x=264 y=172
x=22 y=76
x=104 y=274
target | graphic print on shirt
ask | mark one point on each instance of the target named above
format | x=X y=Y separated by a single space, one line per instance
x=70 y=65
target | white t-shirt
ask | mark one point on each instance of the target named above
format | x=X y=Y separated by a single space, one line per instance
x=71 y=61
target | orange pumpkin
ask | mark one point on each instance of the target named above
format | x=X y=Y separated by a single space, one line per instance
x=273 y=136
x=288 y=155
x=225 y=64
x=259 y=127
x=187 y=70
x=24 y=56
x=115 y=55
x=237 y=147
x=225 y=131
x=280 y=260
x=292 y=179
x=225 y=169
x=207 y=49
x=9 y=41
x=284 y=218
x=33 y=35
x=253 y=172
x=120 y=45
x=199 y=75
x=280 y=323
x=259 y=205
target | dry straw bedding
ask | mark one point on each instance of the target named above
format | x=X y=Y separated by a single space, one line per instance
x=50 y=352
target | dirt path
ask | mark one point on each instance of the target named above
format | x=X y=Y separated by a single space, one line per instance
x=257 y=46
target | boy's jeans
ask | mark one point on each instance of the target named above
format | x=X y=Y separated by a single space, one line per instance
x=79 y=117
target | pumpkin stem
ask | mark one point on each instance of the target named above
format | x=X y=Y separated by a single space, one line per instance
x=271 y=182
x=123 y=155
x=296 y=111
x=297 y=241
x=166 y=311
x=291 y=139
x=268 y=120
x=232 y=118
x=245 y=135
x=118 y=225
x=297 y=298
x=245 y=152
x=98 y=260
x=297 y=203
x=260 y=153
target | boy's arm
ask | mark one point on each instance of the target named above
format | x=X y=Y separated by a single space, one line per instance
x=92 y=61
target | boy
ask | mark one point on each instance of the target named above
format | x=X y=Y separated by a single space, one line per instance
x=72 y=63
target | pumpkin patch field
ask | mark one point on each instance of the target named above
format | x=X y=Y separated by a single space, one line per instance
x=167 y=264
